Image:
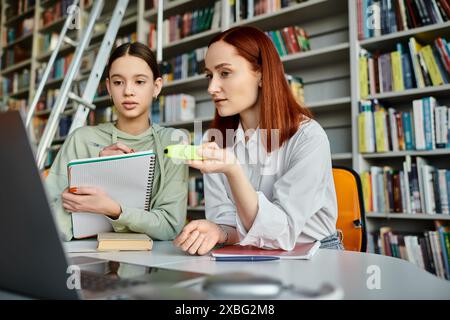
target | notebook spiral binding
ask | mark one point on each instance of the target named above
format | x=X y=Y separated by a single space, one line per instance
x=148 y=194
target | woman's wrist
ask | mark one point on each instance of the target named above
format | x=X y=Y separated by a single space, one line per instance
x=223 y=238
x=115 y=211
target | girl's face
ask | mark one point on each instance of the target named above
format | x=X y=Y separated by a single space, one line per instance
x=132 y=87
x=233 y=84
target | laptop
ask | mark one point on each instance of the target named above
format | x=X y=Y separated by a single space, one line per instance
x=34 y=262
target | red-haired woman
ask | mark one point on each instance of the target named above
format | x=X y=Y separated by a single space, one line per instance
x=268 y=184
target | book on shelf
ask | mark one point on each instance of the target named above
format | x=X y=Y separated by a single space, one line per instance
x=429 y=250
x=380 y=17
x=183 y=66
x=196 y=196
x=176 y=107
x=54 y=12
x=124 y=39
x=180 y=26
x=417 y=188
x=411 y=66
x=22 y=29
x=424 y=127
x=247 y=9
x=289 y=40
x=18 y=7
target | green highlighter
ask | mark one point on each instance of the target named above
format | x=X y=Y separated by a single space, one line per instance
x=182 y=152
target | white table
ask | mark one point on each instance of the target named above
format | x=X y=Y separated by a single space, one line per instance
x=348 y=270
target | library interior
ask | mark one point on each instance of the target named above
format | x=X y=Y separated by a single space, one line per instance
x=374 y=75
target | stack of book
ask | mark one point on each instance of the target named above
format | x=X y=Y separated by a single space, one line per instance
x=379 y=17
x=424 y=127
x=419 y=188
x=289 y=40
x=411 y=66
x=429 y=250
x=58 y=71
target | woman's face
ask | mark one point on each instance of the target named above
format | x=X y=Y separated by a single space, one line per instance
x=233 y=84
x=132 y=87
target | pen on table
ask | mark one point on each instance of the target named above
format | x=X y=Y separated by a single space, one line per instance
x=246 y=258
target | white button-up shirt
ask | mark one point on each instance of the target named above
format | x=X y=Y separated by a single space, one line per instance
x=295 y=188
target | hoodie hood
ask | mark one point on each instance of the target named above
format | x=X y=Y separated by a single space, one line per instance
x=149 y=139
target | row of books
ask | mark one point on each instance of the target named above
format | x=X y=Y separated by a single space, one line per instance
x=196 y=195
x=14 y=55
x=426 y=127
x=39 y=124
x=124 y=39
x=184 y=66
x=59 y=68
x=18 y=7
x=19 y=30
x=47 y=100
x=54 y=12
x=102 y=115
x=418 y=188
x=289 y=40
x=429 y=250
x=17 y=104
x=16 y=81
x=176 y=107
x=47 y=42
x=246 y=9
x=297 y=87
x=179 y=26
x=379 y=17
x=416 y=67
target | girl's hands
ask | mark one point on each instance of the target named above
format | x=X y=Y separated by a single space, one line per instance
x=115 y=149
x=199 y=237
x=215 y=159
x=88 y=199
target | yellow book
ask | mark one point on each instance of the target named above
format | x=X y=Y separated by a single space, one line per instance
x=362 y=132
x=367 y=191
x=432 y=66
x=363 y=77
x=397 y=72
x=380 y=132
x=115 y=241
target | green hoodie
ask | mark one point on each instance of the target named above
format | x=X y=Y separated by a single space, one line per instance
x=168 y=205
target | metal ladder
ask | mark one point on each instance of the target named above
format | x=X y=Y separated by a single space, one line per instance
x=85 y=101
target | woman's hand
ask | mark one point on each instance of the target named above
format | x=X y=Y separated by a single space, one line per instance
x=88 y=199
x=115 y=149
x=199 y=237
x=215 y=159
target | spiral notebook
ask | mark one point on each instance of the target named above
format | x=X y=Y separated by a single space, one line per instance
x=127 y=178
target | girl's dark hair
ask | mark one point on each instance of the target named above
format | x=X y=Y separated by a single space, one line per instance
x=135 y=49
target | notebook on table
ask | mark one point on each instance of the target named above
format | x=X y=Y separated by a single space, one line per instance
x=301 y=251
x=127 y=178
x=113 y=241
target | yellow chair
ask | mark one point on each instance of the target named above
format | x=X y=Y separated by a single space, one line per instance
x=351 y=215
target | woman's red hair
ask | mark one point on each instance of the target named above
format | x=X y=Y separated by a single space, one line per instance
x=279 y=109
